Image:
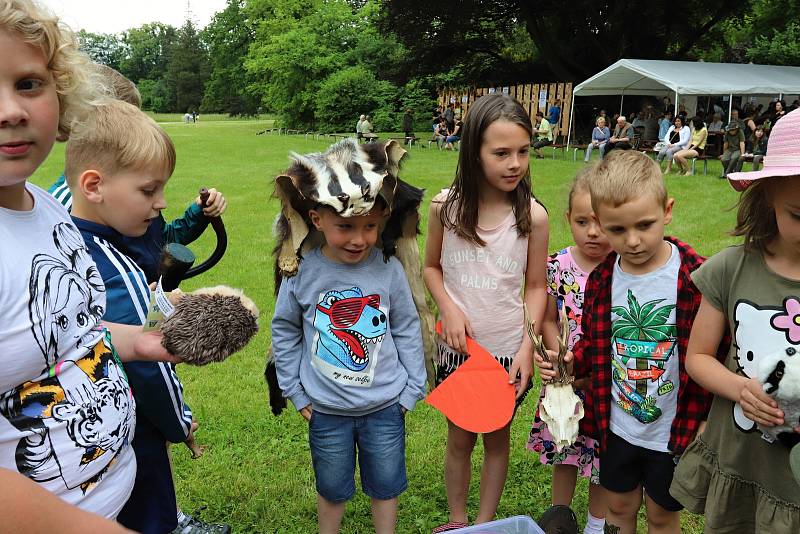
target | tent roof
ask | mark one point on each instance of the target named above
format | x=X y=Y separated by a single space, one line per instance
x=654 y=77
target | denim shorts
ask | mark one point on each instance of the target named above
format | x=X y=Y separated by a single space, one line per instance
x=380 y=439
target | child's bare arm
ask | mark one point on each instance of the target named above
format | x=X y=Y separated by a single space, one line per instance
x=535 y=295
x=455 y=325
x=132 y=344
x=703 y=367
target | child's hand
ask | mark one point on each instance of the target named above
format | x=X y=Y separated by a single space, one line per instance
x=147 y=347
x=758 y=406
x=216 y=203
x=523 y=366
x=455 y=328
x=306 y=413
x=548 y=370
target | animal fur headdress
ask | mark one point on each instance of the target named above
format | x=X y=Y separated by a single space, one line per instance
x=349 y=177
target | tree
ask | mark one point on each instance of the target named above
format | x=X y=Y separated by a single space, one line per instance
x=228 y=37
x=347 y=93
x=780 y=48
x=188 y=69
x=147 y=51
x=103 y=48
x=571 y=42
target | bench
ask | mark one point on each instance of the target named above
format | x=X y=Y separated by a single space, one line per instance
x=410 y=141
x=704 y=158
x=559 y=143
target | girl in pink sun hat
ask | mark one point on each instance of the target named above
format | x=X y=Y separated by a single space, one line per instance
x=737 y=471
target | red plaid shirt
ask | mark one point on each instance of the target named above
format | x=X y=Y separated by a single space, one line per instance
x=593 y=352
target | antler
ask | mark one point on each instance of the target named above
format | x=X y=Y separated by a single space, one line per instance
x=563 y=336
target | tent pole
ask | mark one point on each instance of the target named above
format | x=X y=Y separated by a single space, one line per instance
x=621 y=99
x=676 y=105
x=730 y=106
x=569 y=124
x=780 y=96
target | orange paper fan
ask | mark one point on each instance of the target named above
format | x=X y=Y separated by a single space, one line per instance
x=477 y=396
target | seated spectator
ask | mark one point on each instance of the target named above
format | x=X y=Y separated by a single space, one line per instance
x=638 y=120
x=544 y=134
x=664 y=124
x=716 y=124
x=759 y=149
x=749 y=124
x=440 y=133
x=623 y=136
x=450 y=116
x=736 y=118
x=732 y=149
x=677 y=139
x=454 y=135
x=650 y=125
x=666 y=105
x=600 y=136
x=780 y=111
x=696 y=148
x=366 y=128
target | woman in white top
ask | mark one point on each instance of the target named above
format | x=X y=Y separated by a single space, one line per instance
x=677 y=139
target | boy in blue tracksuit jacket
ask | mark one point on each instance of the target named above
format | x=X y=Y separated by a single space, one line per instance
x=117 y=164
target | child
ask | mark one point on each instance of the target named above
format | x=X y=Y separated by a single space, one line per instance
x=639 y=308
x=567 y=271
x=65 y=404
x=731 y=473
x=759 y=148
x=145 y=250
x=117 y=164
x=347 y=342
x=487 y=243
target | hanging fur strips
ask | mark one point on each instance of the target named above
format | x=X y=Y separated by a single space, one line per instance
x=210 y=324
x=349 y=177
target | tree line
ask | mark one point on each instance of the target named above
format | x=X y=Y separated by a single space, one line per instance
x=319 y=64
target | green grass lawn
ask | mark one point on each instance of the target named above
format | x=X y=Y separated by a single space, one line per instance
x=257 y=472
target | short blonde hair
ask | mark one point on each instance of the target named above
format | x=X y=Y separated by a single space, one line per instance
x=77 y=86
x=118 y=136
x=120 y=87
x=624 y=175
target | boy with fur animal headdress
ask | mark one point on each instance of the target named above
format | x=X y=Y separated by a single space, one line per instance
x=346 y=334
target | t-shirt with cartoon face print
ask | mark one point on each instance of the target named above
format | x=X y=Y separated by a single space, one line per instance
x=763 y=313
x=66 y=411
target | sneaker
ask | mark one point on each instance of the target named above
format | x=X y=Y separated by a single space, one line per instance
x=559 y=519
x=190 y=524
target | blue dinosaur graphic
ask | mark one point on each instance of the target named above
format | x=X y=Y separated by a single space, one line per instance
x=350 y=326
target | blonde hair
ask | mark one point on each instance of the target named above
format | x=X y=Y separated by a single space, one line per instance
x=118 y=136
x=77 y=86
x=121 y=87
x=624 y=175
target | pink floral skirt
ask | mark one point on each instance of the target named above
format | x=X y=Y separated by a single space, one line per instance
x=583 y=454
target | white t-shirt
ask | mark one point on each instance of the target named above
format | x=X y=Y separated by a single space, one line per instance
x=644 y=354
x=67 y=414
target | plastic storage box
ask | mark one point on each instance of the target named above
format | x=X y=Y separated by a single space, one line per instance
x=519 y=524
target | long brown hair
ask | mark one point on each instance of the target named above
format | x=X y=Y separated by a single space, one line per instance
x=755 y=216
x=459 y=212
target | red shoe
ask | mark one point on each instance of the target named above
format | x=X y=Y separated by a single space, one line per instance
x=452 y=525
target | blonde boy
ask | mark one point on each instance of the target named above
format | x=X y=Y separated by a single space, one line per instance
x=118 y=162
x=640 y=304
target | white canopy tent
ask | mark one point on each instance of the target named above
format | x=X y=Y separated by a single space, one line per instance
x=658 y=78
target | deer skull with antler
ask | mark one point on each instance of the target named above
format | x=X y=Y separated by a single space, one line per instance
x=560 y=408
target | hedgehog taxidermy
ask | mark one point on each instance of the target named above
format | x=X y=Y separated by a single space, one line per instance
x=210 y=324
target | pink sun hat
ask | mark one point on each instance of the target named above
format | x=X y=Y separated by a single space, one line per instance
x=783 y=153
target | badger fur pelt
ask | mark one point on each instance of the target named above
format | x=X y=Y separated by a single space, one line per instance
x=371 y=170
x=210 y=324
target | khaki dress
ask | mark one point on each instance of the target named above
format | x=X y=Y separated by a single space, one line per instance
x=731 y=474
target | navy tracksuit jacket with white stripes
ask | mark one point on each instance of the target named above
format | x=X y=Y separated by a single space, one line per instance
x=161 y=414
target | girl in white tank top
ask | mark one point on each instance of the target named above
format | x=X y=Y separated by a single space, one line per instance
x=485 y=255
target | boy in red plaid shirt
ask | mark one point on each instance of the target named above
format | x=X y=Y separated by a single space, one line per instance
x=640 y=303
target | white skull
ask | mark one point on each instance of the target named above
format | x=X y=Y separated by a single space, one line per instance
x=561 y=410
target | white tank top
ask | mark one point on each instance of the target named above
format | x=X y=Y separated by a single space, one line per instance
x=486 y=283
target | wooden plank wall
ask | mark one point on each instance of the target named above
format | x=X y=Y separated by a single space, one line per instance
x=527 y=95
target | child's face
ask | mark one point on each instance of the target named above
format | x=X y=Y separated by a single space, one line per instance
x=347 y=239
x=786 y=201
x=29 y=109
x=635 y=231
x=131 y=199
x=586 y=231
x=504 y=155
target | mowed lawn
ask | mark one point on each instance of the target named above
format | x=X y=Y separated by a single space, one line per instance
x=256 y=474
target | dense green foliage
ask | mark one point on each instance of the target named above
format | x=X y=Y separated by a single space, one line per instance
x=319 y=64
x=257 y=473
